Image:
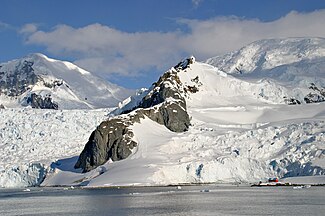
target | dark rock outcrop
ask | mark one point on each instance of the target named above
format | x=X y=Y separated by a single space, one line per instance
x=171 y=111
x=291 y=101
x=15 y=83
x=112 y=139
x=314 y=98
x=1 y=106
x=317 y=96
x=164 y=104
x=37 y=101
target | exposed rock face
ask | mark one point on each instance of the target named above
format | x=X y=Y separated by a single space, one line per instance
x=14 y=83
x=164 y=104
x=18 y=81
x=291 y=101
x=111 y=139
x=37 y=101
x=317 y=96
x=1 y=106
x=171 y=111
x=314 y=98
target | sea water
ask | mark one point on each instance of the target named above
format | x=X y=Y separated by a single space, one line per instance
x=185 y=200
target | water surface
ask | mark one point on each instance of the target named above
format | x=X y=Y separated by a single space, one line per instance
x=190 y=200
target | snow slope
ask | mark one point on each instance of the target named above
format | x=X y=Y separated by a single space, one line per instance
x=237 y=135
x=294 y=61
x=69 y=86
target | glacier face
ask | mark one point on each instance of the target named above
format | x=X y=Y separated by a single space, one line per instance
x=24 y=175
x=31 y=139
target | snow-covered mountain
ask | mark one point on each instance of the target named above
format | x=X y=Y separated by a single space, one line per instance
x=42 y=82
x=291 y=60
x=197 y=124
x=297 y=63
x=239 y=131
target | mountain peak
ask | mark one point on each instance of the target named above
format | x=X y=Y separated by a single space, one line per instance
x=69 y=85
x=37 y=55
x=285 y=60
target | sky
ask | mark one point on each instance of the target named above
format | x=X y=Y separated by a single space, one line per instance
x=132 y=42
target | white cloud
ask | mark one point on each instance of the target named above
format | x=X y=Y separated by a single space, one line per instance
x=109 y=51
x=28 y=28
x=224 y=34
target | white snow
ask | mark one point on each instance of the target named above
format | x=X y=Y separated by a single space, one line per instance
x=291 y=61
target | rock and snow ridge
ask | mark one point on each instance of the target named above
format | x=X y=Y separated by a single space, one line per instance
x=163 y=103
x=42 y=82
x=241 y=130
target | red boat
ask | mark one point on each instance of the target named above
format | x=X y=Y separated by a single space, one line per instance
x=273 y=180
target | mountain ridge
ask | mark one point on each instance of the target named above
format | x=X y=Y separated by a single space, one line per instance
x=263 y=55
x=68 y=85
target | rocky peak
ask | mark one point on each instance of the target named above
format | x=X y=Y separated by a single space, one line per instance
x=69 y=85
x=164 y=104
x=185 y=63
x=15 y=81
x=40 y=102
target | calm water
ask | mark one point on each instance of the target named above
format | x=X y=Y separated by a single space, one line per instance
x=220 y=200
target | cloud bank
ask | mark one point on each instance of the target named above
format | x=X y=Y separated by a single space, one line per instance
x=109 y=51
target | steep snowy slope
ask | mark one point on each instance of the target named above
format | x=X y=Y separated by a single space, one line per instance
x=290 y=60
x=297 y=63
x=42 y=82
x=240 y=132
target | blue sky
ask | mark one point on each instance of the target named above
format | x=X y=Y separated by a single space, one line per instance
x=131 y=42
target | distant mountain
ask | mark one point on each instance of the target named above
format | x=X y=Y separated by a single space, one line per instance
x=296 y=63
x=289 y=60
x=42 y=82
